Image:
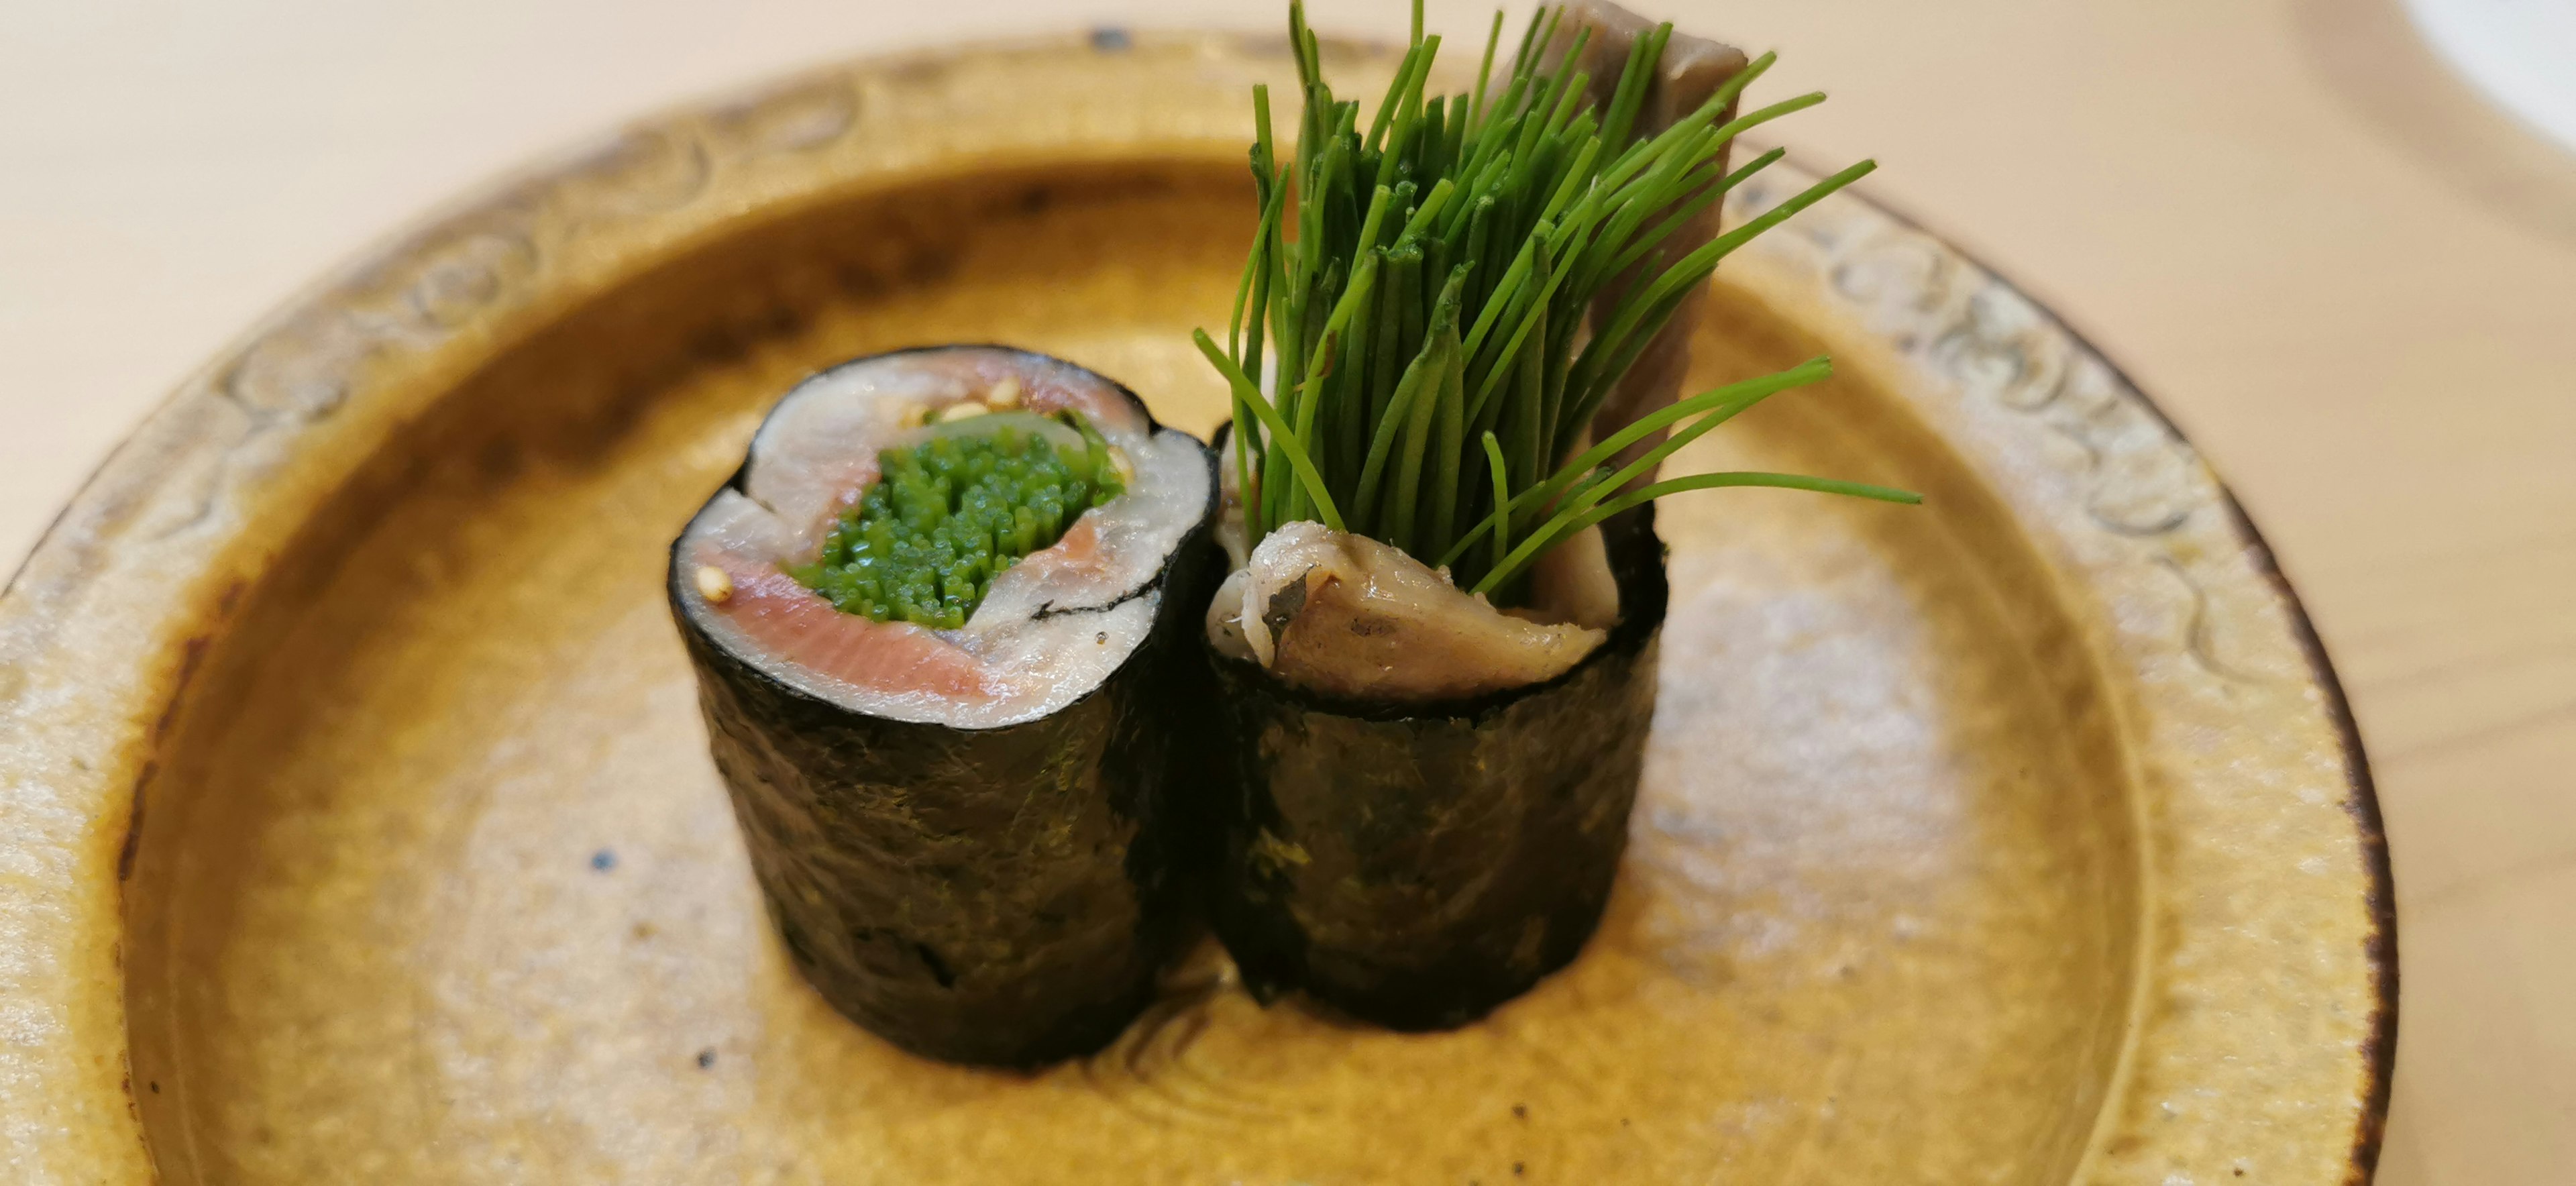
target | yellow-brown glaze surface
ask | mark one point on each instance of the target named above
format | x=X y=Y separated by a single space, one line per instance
x=2005 y=840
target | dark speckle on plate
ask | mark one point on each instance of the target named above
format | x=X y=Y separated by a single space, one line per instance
x=706 y=1058
x=603 y=860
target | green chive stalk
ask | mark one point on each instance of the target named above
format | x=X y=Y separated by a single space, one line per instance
x=1423 y=297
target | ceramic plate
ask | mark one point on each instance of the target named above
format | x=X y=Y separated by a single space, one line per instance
x=361 y=826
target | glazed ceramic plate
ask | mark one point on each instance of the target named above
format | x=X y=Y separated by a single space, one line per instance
x=361 y=826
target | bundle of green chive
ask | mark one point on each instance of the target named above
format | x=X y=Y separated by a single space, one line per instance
x=1435 y=377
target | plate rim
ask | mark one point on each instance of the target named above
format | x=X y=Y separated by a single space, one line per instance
x=2380 y=1050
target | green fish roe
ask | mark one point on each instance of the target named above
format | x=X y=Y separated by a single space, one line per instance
x=948 y=515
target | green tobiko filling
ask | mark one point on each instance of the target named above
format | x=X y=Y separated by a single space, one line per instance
x=948 y=515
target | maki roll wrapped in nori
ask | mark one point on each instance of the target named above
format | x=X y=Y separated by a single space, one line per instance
x=1417 y=861
x=933 y=617
x=1436 y=645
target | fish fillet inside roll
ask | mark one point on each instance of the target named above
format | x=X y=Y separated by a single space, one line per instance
x=1049 y=625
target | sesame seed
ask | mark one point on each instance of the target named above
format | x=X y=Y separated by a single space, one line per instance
x=714 y=584
x=1005 y=394
x=965 y=411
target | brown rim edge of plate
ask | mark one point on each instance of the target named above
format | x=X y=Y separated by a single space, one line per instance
x=416 y=233
x=2362 y=799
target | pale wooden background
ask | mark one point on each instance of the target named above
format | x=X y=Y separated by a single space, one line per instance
x=2353 y=286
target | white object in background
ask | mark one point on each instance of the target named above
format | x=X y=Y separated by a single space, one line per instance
x=2520 y=53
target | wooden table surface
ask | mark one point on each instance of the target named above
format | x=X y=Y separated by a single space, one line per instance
x=2352 y=284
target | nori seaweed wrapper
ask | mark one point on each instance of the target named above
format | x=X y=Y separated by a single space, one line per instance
x=999 y=896
x=1417 y=865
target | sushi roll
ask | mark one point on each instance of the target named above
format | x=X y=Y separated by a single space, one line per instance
x=1416 y=855
x=1437 y=638
x=934 y=618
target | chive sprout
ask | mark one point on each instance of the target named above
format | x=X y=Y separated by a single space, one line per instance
x=1436 y=374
